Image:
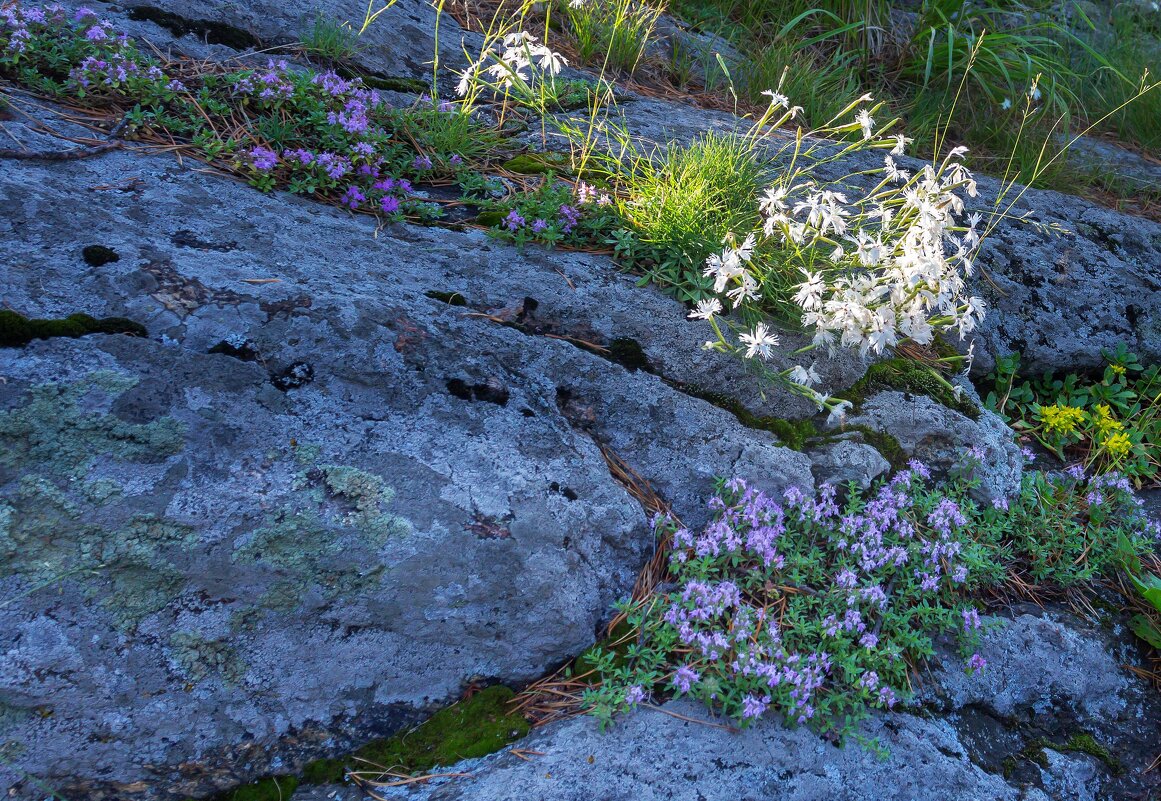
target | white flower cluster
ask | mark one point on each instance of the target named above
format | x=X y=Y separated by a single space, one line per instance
x=511 y=58
x=888 y=265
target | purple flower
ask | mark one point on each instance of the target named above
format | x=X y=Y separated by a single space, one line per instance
x=96 y=34
x=685 y=677
x=539 y=226
x=353 y=197
x=635 y=695
x=1094 y=498
x=455 y=160
x=1076 y=471
x=389 y=204
x=1000 y=503
x=977 y=662
x=263 y=159
x=569 y=216
x=83 y=13
x=513 y=222
x=753 y=707
x=1027 y=453
x=421 y=162
x=971 y=620
x=304 y=157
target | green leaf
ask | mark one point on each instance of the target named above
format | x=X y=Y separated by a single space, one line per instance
x=1147 y=630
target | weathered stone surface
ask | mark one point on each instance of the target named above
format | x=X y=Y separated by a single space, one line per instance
x=650 y=755
x=307 y=508
x=1004 y=733
x=940 y=438
x=847 y=461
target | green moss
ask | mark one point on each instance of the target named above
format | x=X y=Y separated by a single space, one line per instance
x=794 y=434
x=392 y=83
x=1034 y=752
x=907 y=375
x=1081 y=742
x=537 y=163
x=887 y=446
x=628 y=353
x=1085 y=743
x=1008 y=767
x=450 y=298
x=272 y=788
x=16 y=330
x=475 y=727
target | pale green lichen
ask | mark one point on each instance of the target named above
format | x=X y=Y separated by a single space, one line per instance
x=328 y=544
x=55 y=526
x=199 y=657
x=56 y=434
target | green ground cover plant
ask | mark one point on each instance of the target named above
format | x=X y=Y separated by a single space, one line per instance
x=1110 y=420
x=819 y=612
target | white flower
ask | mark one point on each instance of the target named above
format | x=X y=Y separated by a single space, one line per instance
x=807 y=377
x=1007 y=104
x=863 y=118
x=901 y=143
x=893 y=172
x=1034 y=94
x=777 y=99
x=838 y=413
x=774 y=200
x=551 y=62
x=760 y=342
x=706 y=309
x=747 y=290
x=465 y=81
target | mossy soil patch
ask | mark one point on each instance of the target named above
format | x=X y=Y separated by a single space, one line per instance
x=474 y=727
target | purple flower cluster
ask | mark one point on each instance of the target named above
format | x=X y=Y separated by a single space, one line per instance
x=883 y=559
x=270 y=85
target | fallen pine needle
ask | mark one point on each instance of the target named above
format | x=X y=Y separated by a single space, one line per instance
x=689 y=719
x=261 y=280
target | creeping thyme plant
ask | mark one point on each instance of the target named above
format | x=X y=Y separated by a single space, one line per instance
x=819 y=613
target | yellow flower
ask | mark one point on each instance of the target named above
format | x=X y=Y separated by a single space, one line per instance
x=1118 y=369
x=1118 y=445
x=1104 y=422
x=1062 y=419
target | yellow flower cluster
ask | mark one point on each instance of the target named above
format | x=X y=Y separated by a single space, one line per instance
x=1118 y=445
x=1061 y=419
x=1110 y=432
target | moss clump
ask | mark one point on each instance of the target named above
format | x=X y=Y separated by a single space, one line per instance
x=1085 y=743
x=537 y=163
x=1081 y=742
x=450 y=298
x=628 y=353
x=794 y=434
x=16 y=330
x=887 y=446
x=908 y=376
x=475 y=727
x=99 y=255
